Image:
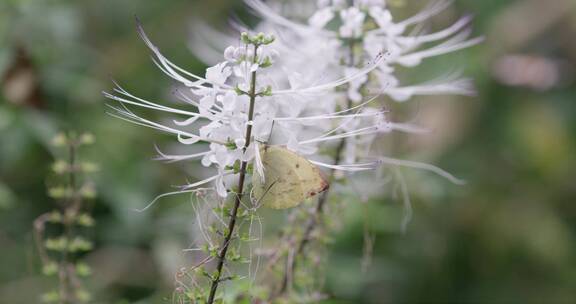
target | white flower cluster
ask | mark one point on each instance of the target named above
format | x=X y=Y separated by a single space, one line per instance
x=238 y=105
x=314 y=86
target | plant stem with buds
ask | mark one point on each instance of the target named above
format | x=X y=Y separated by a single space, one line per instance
x=65 y=280
x=243 y=169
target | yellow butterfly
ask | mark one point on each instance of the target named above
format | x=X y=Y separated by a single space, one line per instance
x=289 y=179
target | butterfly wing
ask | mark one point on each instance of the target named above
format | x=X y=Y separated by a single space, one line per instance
x=289 y=179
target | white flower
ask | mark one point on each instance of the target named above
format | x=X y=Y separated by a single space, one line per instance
x=218 y=73
x=383 y=18
x=234 y=54
x=322 y=17
x=352 y=22
x=370 y=3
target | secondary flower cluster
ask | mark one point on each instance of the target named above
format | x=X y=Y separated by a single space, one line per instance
x=341 y=36
x=371 y=23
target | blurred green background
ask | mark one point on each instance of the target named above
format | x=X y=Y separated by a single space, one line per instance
x=508 y=236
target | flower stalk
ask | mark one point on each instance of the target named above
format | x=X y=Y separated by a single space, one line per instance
x=241 y=180
x=59 y=254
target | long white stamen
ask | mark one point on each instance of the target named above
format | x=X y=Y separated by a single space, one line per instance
x=200 y=183
x=459 y=87
x=344 y=123
x=200 y=84
x=199 y=216
x=408 y=128
x=183 y=97
x=363 y=131
x=460 y=24
x=430 y=11
x=169 y=66
x=349 y=167
x=328 y=116
x=421 y=166
x=266 y=12
x=144 y=105
x=119 y=89
x=439 y=50
x=177 y=158
x=133 y=118
x=408 y=212
x=336 y=83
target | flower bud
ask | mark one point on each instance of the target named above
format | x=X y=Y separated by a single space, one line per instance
x=60 y=140
x=245 y=38
x=87 y=139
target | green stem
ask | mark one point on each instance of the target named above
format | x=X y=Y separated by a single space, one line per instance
x=64 y=275
x=243 y=169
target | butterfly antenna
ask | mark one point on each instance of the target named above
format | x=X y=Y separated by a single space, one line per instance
x=271 y=131
x=258 y=203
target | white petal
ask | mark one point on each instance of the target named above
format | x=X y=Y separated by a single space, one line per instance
x=189 y=140
x=187 y=122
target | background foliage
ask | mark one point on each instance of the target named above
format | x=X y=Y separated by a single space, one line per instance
x=508 y=236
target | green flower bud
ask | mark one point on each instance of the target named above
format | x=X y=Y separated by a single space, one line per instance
x=50 y=297
x=56 y=244
x=83 y=296
x=60 y=192
x=50 y=269
x=87 y=139
x=245 y=38
x=89 y=167
x=87 y=191
x=266 y=92
x=60 y=167
x=85 y=220
x=83 y=270
x=60 y=140
x=80 y=244
x=239 y=91
x=266 y=63
x=269 y=39
x=259 y=38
